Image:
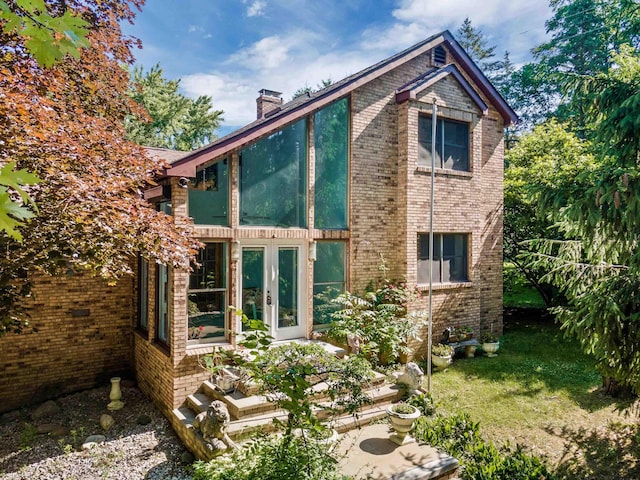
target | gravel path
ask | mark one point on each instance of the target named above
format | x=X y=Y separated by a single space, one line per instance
x=140 y=445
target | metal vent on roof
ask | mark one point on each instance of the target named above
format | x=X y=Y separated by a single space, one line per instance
x=439 y=56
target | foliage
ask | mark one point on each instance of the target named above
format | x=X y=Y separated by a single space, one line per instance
x=273 y=458
x=459 y=436
x=49 y=31
x=174 y=121
x=27 y=436
x=13 y=212
x=474 y=42
x=423 y=402
x=289 y=373
x=307 y=90
x=583 y=35
x=517 y=290
x=441 y=350
x=543 y=160
x=598 y=272
x=379 y=319
x=404 y=408
x=64 y=124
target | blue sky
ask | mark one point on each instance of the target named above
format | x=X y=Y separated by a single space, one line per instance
x=230 y=49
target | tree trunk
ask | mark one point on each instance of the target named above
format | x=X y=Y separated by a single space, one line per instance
x=616 y=389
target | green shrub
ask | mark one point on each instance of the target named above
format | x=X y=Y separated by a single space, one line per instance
x=424 y=403
x=460 y=437
x=273 y=458
x=379 y=319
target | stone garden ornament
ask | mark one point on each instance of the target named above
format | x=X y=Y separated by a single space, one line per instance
x=412 y=378
x=213 y=425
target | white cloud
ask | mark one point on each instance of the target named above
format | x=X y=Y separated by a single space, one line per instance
x=277 y=63
x=295 y=57
x=514 y=25
x=257 y=8
x=267 y=53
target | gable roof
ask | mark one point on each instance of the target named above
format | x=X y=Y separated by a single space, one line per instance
x=306 y=104
x=434 y=75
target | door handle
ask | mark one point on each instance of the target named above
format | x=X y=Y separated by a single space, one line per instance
x=268 y=298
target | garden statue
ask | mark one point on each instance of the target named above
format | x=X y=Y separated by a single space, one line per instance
x=412 y=377
x=213 y=425
x=354 y=344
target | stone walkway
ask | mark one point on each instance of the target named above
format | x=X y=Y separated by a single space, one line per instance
x=369 y=454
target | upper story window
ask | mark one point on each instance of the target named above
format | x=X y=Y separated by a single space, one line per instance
x=209 y=195
x=331 y=140
x=450 y=258
x=207 y=296
x=273 y=179
x=452 y=144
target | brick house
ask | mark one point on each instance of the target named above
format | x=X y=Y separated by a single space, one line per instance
x=305 y=198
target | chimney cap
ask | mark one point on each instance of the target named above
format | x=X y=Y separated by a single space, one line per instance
x=269 y=93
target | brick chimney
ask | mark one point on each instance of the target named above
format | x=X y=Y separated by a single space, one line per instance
x=268 y=101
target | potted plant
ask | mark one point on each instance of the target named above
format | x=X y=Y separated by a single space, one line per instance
x=441 y=355
x=402 y=416
x=490 y=344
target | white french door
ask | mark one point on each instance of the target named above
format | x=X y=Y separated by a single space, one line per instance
x=272 y=285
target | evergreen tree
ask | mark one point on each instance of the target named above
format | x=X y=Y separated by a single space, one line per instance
x=174 y=120
x=476 y=45
x=599 y=271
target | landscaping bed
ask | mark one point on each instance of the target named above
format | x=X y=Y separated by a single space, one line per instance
x=139 y=445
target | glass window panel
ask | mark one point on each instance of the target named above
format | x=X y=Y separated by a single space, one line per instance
x=253 y=282
x=273 y=174
x=452 y=145
x=449 y=258
x=329 y=279
x=143 y=294
x=287 y=287
x=162 y=307
x=331 y=139
x=207 y=295
x=206 y=316
x=209 y=195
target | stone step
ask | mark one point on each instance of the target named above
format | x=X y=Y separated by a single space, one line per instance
x=241 y=406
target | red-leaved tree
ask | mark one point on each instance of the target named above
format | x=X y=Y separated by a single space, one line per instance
x=64 y=123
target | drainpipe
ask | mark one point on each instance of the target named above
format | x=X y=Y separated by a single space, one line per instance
x=434 y=119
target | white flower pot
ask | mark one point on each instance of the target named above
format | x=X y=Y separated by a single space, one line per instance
x=441 y=362
x=402 y=424
x=490 y=348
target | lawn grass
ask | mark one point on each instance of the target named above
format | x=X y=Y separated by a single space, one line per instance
x=543 y=392
x=518 y=292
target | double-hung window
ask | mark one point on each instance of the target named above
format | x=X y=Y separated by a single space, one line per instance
x=450 y=258
x=452 y=143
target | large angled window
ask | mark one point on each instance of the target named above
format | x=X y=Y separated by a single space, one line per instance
x=452 y=143
x=331 y=139
x=209 y=195
x=207 y=296
x=273 y=179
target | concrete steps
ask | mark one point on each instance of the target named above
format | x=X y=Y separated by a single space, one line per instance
x=254 y=413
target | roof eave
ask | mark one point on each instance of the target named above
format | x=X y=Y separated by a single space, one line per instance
x=508 y=114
